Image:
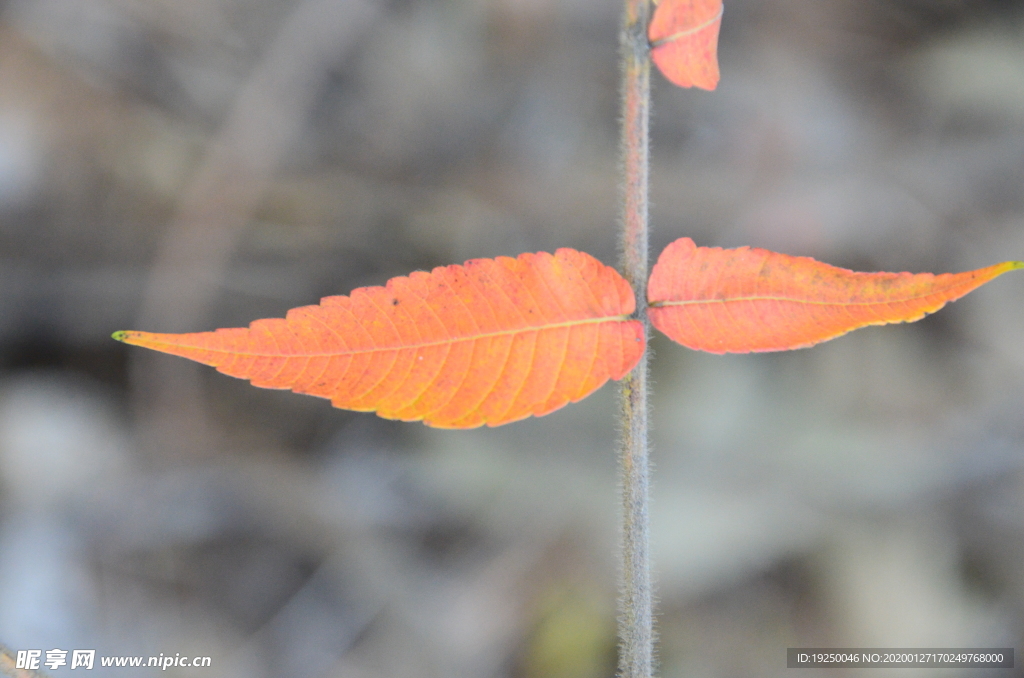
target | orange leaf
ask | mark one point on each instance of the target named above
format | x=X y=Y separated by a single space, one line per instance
x=748 y=299
x=488 y=342
x=684 y=41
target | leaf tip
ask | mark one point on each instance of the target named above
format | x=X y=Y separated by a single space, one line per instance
x=120 y=335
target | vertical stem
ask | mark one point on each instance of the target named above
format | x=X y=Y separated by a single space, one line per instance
x=636 y=635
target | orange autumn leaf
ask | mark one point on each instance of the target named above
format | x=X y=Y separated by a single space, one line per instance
x=488 y=342
x=749 y=299
x=684 y=41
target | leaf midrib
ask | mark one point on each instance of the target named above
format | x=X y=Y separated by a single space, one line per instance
x=689 y=31
x=811 y=302
x=999 y=269
x=402 y=347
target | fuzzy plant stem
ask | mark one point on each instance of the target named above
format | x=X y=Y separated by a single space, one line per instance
x=636 y=635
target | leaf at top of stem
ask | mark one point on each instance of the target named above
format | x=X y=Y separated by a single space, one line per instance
x=684 y=41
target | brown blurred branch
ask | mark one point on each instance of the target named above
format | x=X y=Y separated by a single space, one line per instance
x=636 y=634
x=218 y=202
x=8 y=664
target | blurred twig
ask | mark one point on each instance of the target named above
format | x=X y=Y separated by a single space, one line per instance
x=8 y=664
x=217 y=204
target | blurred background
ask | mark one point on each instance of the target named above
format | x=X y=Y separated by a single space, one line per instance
x=180 y=165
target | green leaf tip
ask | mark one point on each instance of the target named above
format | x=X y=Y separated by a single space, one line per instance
x=120 y=335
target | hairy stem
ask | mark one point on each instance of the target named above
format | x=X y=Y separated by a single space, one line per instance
x=636 y=635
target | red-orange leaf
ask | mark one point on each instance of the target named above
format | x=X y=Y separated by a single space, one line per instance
x=488 y=342
x=684 y=41
x=749 y=299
